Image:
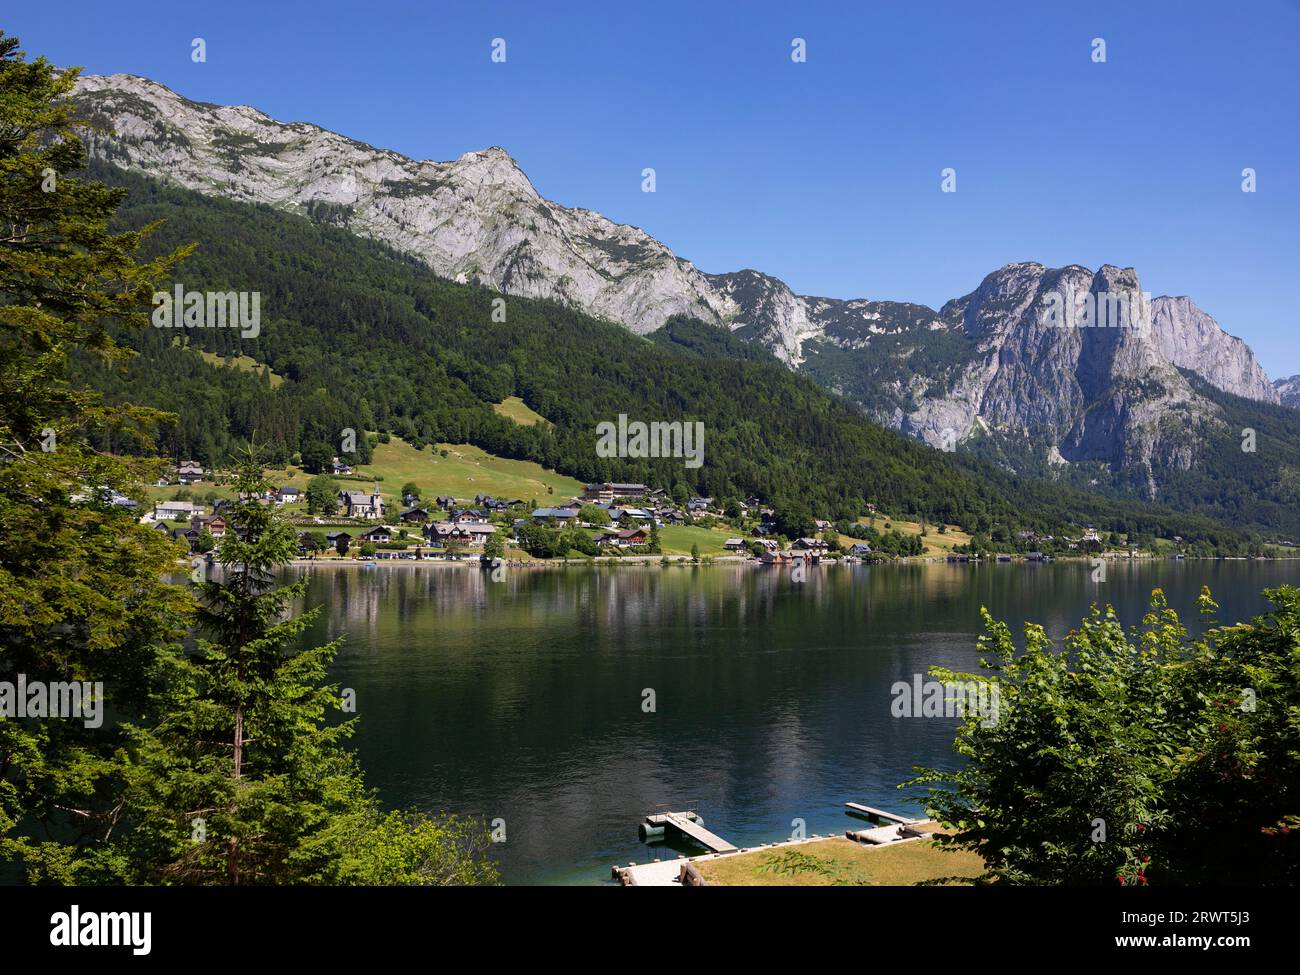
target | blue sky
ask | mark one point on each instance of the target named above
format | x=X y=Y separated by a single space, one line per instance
x=827 y=173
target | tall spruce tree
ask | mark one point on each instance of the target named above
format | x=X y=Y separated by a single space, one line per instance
x=82 y=595
x=212 y=768
x=250 y=783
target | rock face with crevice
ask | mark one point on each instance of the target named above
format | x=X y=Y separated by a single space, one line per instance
x=1191 y=339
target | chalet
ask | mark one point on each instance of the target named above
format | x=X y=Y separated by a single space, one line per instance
x=624 y=539
x=860 y=550
x=176 y=510
x=769 y=544
x=362 y=504
x=699 y=505
x=339 y=467
x=822 y=524
x=556 y=515
x=472 y=534
x=189 y=471
x=611 y=491
x=809 y=545
x=379 y=535
x=634 y=514
x=438 y=532
x=735 y=545
x=445 y=502
x=490 y=503
x=670 y=516
x=475 y=536
x=214 y=525
x=468 y=516
x=288 y=495
x=335 y=537
x=414 y=516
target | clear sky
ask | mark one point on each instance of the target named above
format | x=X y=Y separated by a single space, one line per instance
x=826 y=173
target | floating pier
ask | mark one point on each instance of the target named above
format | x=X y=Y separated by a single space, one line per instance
x=687 y=823
x=879 y=816
x=887 y=827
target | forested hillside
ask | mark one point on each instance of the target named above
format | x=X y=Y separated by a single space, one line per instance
x=367 y=339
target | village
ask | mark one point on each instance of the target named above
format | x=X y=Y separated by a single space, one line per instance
x=608 y=521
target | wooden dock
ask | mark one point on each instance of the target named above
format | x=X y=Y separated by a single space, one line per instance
x=879 y=815
x=689 y=825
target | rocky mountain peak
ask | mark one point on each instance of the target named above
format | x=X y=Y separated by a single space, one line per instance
x=475 y=218
x=493 y=167
x=1191 y=339
x=1288 y=391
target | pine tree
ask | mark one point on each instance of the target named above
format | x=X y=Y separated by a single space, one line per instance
x=82 y=595
x=215 y=769
x=250 y=783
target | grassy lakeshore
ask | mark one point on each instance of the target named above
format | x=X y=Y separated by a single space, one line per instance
x=842 y=862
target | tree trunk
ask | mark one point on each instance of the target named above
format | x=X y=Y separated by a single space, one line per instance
x=232 y=853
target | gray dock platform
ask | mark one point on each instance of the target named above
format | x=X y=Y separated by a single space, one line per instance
x=688 y=824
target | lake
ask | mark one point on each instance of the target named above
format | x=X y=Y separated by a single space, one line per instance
x=522 y=699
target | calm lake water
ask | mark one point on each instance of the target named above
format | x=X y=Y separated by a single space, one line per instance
x=522 y=699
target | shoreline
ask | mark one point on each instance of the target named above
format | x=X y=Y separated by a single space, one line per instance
x=731 y=561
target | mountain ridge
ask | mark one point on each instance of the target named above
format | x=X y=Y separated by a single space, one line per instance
x=363 y=338
x=981 y=372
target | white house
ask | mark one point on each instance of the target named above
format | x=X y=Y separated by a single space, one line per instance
x=176 y=510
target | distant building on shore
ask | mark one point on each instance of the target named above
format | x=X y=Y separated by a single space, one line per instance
x=611 y=491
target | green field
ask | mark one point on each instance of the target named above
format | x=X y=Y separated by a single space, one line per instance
x=243 y=363
x=465 y=472
x=678 y=539
x=513 y=408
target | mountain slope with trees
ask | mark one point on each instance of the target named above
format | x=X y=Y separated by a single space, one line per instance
x=368 y=339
